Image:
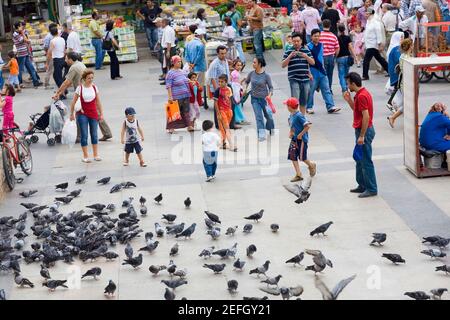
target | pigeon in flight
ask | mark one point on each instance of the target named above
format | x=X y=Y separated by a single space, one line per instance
x=321 y=229
x=417 y=295
x=394 y=258
x=320 y=261
x=256 y=216
x=104 y=180
x=296 y=259
x=110 y=289
x=300 y=191
x=286 y=293
x=378 y=238
x=158 y=198
x=333 y=294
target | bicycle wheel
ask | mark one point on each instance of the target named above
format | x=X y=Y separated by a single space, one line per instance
x=25 y=158
x=425 y=76
x=8 y=169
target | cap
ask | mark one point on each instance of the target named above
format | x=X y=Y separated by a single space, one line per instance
x=130 y=111
x=291 y=102
x=199 y=32
x=420 y=9
x=284 y=9
x=175 y=59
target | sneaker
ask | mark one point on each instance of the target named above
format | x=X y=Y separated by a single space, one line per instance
x=143 y=164
x=312 y=170
x=297 y=178
x=98 y=158
x=358 y=189
x=367 y=194
x=213 y=178
x=86 y=160
x=309 y=111
x=208 y=179
x=365 y=78
x=334 y=110
x=105 y=138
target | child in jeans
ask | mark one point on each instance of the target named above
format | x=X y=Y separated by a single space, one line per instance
x=210 y=142
x=132 y=142
x=13 y=67
x=195 y=101
x=299 y=140
x=222 y=103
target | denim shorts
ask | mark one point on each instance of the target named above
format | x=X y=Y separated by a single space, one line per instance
x=13 y=79
x=133 y=147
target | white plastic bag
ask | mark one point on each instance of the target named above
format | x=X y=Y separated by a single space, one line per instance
x=57 y=113
x=69 y=133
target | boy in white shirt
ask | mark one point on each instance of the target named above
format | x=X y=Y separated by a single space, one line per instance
x=210 y=142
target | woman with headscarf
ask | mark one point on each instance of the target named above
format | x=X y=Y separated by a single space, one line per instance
x=393 y=54
x=435 y=129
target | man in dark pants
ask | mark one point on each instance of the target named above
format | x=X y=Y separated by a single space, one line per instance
x=149 y=13
x=362 y=107
x=56 y=51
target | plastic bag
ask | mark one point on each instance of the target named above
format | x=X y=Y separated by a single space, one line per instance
x=172 y=111
x=69 y=133
x=271 y=105
x=57 y=112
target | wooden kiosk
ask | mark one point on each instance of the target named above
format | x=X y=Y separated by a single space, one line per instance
x=412 y=157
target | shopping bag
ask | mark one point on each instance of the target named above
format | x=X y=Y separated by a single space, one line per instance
x=56 y=121
x=69 y=133
x=173 y=111
x=270 y=104
x=358 y=152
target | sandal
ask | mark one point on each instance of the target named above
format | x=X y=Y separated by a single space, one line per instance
x=235 y=149
x=98 y=159
x=125 y=164
x=143 y=164
x=391 y=123
x=224 y=146
x=86 y=160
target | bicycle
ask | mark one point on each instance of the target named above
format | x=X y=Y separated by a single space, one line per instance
x=15 y=151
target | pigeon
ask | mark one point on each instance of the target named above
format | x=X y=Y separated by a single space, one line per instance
x=232 y=286
x=148 y=236
x=333 y=294
x=169 y=294
x=174 y=250
x=437 y=293
x=232 y=250
x=21 y=281
x=142 y=200
x=129 y=251
x=180 y=273
x=209 y=224
x=231 y=230
x=442 y=243
x=255 y=298
x=62 y=186
x=109 y=255
x=417 y=295
x=321 y=229
x=126 y=203
x=378 y=238
x=261 y=270
x=272 y=281
x=444 y=268
x=247 y=228
x=173 y=284
x=2 y=295
x=53 y=284
x=65 y=200
x=159 y=230
x=320 y=261
x=251 y=249
x=431 y=239
x=38 y=209
x=187 y=203
x=239 y=265
x=80 y=180
x=110 y=288
x=27 y=194
x=274 y=227
x=96 y=206
x=111 y=207
x=214 y=233
x=434 y=253
x=44 y=272
x=256 y=217
x=74 y=193
x=169 y=217
x=187 y=233
x=158 y=198
x=213 y=217
x=175 y=229
x=94 y=272
x=223 y=253
x=156 y=269
x=296 y=259
x=171 y=268
x=135 y=262
x=104 y=180
x=36 y=246
x=143 y=210
x=300 y=191
x=128 y=184
x=207 y=252
x=28 y=205
x=217 y=268
x=150 y=247
x=286 y=293
x=394 y=258
x=116 y=188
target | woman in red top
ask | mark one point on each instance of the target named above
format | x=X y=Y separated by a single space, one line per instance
x=89 y=114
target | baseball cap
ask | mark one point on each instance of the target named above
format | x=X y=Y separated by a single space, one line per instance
x=420 y=9
x=199 y=32
x=291 y=102
x=130 y=111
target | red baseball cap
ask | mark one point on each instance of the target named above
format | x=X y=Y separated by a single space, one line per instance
x=291 y=102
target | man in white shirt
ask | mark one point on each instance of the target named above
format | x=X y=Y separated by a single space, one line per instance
x=355 y=3
x=373 y=41
x=73 y=41
x=49 y=71
x=412 y=25
x=168 y=44
x=389 y=20
x=57 y=52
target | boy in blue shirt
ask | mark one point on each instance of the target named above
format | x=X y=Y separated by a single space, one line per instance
x=298 y=148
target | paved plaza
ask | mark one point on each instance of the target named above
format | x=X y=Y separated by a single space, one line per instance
x=406 y=208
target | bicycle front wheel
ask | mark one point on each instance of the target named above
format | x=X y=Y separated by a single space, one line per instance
x=8 y=169
x=25 y=158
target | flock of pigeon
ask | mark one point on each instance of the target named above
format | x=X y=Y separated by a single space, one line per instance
x=94 y=231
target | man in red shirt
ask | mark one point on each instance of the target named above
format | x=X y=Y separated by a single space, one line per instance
x=330 y=49
x=362 y=107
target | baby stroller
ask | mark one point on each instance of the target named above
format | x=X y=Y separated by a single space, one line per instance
x=48 y=123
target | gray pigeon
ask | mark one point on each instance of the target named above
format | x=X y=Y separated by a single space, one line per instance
x=109 y=255
x=116 y=188
x=248 y=228
x=175 y=229
x=238 y=264
x=143 y=210
x=231 y=230
x=272 y=281
x=169 y=294
x=171 y=268
x=442 y=243
x=232 y=286
x=44 y=272
x=156 y=269
x=213 y=217
x=394 y=258
x=217 y=268
x=187 y=203
x=62 y=186
x=444 y=268
x=158 y=198
x=434 y=253
x=111 y=207
x=182 y=273
x=28 y=205
x=21 y=281
x=74 y=193
x=251 y=249
x=261 y=270
x=174 y=250
x=209 y=224
x=110 y=289
x=274 y=227
x=96 y=206
x=214 y=233
x=173 y=284
x=321 y=229
x=332 y=295
x=223 y=253
x=27 y=194
x=437 y=293
x=159 y=230
x=296 y=259
x=378 y=238
x=135 y=262
x=256 y=216
x=53 y=284
x=142 y=200
x=80 y=180
x=2 y=295
x=207 y=252
x=150 y=247
x=320 y=261
x=104 y=180
x=300 y=191
x=94 y=272
x=129 y=251
x=417 y=295
x=286 y=293
x=169 y=217
x=188 y=232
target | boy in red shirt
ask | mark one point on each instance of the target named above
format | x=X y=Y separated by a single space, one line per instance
x=222 y=104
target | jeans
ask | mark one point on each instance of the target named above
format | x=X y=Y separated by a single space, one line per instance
x=373 y=53
x=300 y=90
x=2 y=81
x=114 y=64
x=58 y=69
x=238 y=46
x=99 y=53
x=320 y=80
x=25 y=62
x=328 y=62
x=210 y=162
x=343 y=69
x=152 y=37
x=261 y=111
x=258 y=42
x=86 y=123
x=308 y=38
x=365 y=170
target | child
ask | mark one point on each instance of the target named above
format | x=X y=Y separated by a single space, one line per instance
x=236 y=86
x=288 y=45
x=299 y=140
x=352 y=20
x=210 y=142
x=222 y=104
x=195 y=101
x=6 y=105
x=358 y=44
x=13 y=66
x=132 y=143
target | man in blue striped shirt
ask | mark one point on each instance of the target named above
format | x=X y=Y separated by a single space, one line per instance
x=298 y=59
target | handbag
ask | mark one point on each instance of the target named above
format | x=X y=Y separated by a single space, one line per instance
x=107 y=43
x=358 y=152
x=173 y=111
x=350 y=61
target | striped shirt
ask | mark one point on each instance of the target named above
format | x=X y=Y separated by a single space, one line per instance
x=21 y=45
x=177 y=81
x=298 y=67
x=330 y=43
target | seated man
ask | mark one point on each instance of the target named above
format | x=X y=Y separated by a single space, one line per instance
x=435 y=129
